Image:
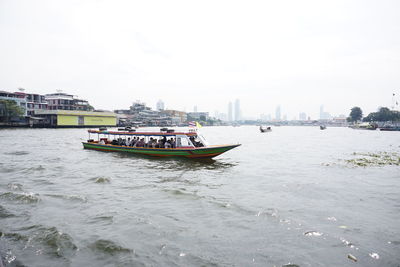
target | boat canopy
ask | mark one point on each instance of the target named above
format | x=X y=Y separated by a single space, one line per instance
x=143 y=133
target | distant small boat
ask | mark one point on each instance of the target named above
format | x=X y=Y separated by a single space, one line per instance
x=322 y=127
x=266 y=129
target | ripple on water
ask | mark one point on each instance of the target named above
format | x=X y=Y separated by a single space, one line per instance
x=108 y=247
x=15 y=186
x=17 y=153
x=68 y=197
x=38 y=168
x=4 y=213
x=24 y=198
x=105 y=219
x=101 y=180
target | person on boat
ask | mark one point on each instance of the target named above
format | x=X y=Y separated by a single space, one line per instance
x=173 y=143
x=142 y=142
x=160 y=144
x=102 y=142
x=154 y=144
x=167 y=145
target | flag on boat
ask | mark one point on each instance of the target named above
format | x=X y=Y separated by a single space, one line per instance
x=194 y=124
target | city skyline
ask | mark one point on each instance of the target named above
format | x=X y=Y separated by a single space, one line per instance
x=272 y=56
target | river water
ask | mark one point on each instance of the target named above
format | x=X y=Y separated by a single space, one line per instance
x=296 y=195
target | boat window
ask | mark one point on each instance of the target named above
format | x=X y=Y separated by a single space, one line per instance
x=183 y=141
x=202 y=140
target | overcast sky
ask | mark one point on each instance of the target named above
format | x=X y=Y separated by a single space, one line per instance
x=299 y=54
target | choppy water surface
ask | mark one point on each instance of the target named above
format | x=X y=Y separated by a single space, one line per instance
x=293 y=196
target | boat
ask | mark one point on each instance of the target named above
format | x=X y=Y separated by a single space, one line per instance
x=180 y=144
x=322 y=127
x=266 y=129
x=389 y=128
x=364 y=126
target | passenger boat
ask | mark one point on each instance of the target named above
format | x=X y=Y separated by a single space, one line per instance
x=180 y=144
x=264 y=130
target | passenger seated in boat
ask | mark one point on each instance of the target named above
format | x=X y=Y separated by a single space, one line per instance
x=140 y=143
x=134 y=140
x=167 y=145
x=160 y=144
x=128 y=142
x=154 y=144
x=114 y=142
x=102 y=142
x=172 y=142
x=150 y=143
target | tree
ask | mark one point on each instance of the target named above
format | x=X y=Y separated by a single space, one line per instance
x=383 y=114
x=9 y=109
x=355 y=114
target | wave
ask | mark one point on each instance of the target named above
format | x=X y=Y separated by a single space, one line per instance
x=48 y=240
x=68 y=197
x=108 y=247
x=25 y=198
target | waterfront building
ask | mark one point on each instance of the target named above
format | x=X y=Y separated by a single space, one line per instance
x=75 y=118
x=177 y=117
x=62 y=101
x=160 y=105
x=27 y=101
x=237 y=110
x=20 y=100
x=198 y=116
x=34 y=102
x=142 y=115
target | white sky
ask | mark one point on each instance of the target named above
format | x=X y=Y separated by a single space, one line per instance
x=299 y=54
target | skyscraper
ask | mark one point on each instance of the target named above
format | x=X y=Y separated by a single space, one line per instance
x=278 y=113
x=237 y=110
x=160 y=105
x=230 y=117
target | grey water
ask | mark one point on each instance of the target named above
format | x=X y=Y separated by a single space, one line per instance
x=290 y=197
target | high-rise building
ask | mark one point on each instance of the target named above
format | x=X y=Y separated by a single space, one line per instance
x=195 y=108
x=237 y=110
x=278 y=113
x=160 y=105
x=324 y=115
x=230 y=111
x=302 y=116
